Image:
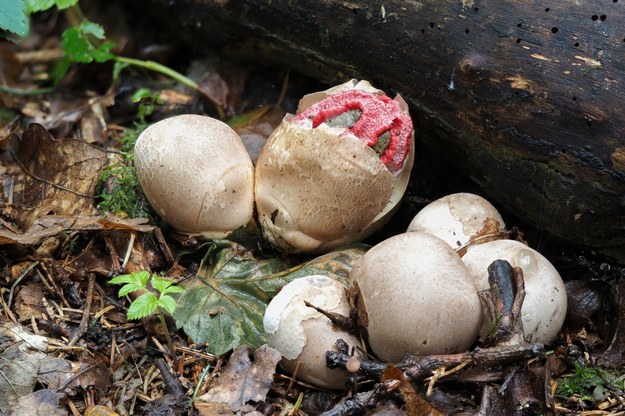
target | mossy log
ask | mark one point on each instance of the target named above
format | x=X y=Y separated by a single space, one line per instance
x=527 y=96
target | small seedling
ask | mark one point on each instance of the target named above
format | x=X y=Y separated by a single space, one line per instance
x=148 y=302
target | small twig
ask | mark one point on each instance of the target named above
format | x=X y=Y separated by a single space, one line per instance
x=18 y=280
x=84 y=322
x=128 y=250
x=172 y=385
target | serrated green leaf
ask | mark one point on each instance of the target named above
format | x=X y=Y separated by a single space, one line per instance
x=168 y=303
x=140 y=278
x=129 y=288
x=64 y=4
x=103 y=52
x=14 y=17
x=143 y=306
x=161 y=284
x=87 y=27
x=76 y=47
x=34 y=6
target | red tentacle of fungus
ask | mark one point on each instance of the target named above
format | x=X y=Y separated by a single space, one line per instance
x=381 y=119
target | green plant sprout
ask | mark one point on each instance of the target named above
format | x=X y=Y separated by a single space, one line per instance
x=147 y=303
x=84 y=42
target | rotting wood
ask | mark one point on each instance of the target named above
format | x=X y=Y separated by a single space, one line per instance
x=525 y=96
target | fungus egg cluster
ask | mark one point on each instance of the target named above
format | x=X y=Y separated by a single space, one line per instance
x=330 y=175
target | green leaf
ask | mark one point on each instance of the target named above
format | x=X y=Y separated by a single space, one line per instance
x=133 y=282
x=118 y=67
x=143 y=306
x=14 y=17
x=59 y=69
x=87 y=28
x=76 y=47
x=103 y=52
x=224 y=304
x=64 y=4
x=164 y=285
x=34 y=6
x=140 y=278
x=168 y=303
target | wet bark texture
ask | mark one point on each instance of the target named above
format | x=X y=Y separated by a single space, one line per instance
x=525 y=95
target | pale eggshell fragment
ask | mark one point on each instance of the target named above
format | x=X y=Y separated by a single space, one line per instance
x=196 y=174
x=456 y=218
x=302 y=334
x=545 y=303
x=418 y=297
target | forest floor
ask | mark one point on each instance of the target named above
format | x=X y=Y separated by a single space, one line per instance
x=72 y=217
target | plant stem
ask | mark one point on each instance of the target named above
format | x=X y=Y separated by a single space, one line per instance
x=170 y=343
x=156 y=67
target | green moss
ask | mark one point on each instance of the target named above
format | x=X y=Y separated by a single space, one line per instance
x=589 y=384
x=119 y=191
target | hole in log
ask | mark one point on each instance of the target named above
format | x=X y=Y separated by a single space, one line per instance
x=547 y=9
x=554 y=30
x=577 y=44
x=466 y=31
x=518 y=40
x=594 y=17
x=602 y=17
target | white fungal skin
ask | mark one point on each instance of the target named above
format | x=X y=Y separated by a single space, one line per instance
x=302 y=334
x=544 y=306
x=196 y=174
x=418 y=296
x=316 y=191
x=456 y=218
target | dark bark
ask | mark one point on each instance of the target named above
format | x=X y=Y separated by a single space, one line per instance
x=526 y=95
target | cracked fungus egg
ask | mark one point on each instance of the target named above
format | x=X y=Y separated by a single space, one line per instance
x=334 y=173
x=544 y=307
x=196 y=174
x=302 y=334
x=459 y=218
x=415 y=296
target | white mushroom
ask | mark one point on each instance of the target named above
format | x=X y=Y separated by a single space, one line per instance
x=319 y=186
x=418 y=297
x=544 y=306
x=196 y=174
x=302 y=334
x=458 y=218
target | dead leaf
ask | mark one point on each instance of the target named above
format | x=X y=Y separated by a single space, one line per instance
x=415 y=404
x=28 y=302
x=42 y=402
x=57 y=177
x=50 y=225
x=14 y=334
x=242 y=379
x=255 y=127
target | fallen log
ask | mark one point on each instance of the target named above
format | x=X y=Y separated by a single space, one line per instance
x=525 y=96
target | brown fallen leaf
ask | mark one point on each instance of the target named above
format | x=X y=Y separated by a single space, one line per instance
x=50 y=225
x=57 y=176
x=42 y=402
x=415 y=404
x=242 y=379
